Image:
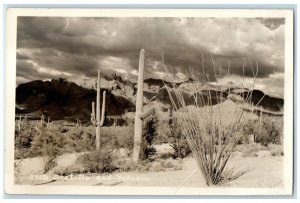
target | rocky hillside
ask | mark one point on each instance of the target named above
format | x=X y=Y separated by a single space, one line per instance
x=61 y=99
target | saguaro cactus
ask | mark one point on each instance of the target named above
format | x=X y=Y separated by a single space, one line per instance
x=139 y=115
x=20 y=123
x=42 y=119
x=96 y=120
x=78 y=123
x=48 y=122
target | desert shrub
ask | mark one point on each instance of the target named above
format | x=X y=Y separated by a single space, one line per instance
x=166 y=155
x=64 y=130
x=163 y=133
x=97 y=161
x=269 y=131
x=83 y=139
x=125 y=165
x=49 y=144
x=68 y=170
x=177 y=139
x=274 y=129
x=117 y=137
x=125 y=139
x=261 y=135
x=80 y=139
x=23 y=140
x=149 y=134
x=248 y=130
x=21 y=153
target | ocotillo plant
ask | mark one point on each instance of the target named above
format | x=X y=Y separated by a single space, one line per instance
x=96 y=120
x=139 y=115
x=211 y=132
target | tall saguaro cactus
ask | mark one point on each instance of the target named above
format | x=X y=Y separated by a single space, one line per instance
x=97 y=120
x=139 y=115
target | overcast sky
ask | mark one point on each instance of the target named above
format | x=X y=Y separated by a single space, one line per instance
x=76 y=47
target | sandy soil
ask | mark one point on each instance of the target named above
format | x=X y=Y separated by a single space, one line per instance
x=264 y=171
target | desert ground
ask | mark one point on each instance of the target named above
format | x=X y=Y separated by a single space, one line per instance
x=264 y=170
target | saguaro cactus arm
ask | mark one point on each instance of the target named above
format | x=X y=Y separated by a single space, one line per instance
x=93 y=119
x=103 y=109
x=98 y=98
x=148 y=113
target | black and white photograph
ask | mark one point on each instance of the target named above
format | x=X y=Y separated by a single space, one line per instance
x=173 y=102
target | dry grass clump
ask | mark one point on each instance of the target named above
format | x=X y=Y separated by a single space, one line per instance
x=156 y=165
x=276 y=150
x=211 y=137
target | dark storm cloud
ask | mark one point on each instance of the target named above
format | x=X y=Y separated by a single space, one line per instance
x=79 y=46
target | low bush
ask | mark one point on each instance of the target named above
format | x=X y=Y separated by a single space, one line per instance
x=80 y=139
x=149 y=165
x=49 y=144
x=117 y=137
x=269 y=131
x=167 y=165
x=97 y=161
x=166 y=155
x=23 y=140
x=177 y=139
x=163 y=133
x=68 y=170
x=274 y=128
x=160 y=165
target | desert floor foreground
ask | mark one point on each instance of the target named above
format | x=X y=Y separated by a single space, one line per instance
x=265 y=171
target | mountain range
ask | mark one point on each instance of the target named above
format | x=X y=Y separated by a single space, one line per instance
x=71 y=99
